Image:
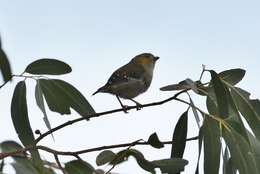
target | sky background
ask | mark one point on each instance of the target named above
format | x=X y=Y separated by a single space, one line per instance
x=96 y=37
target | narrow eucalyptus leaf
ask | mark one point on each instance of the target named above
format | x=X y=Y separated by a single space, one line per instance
x=244 y=159
x=185 y=84
x=248 y=108
x=40 y=103
x=21 y=121
x=212 y=145
x=179 y=136
x=199 y=149
x=220 y=92
x=5 y=66
x=232 y=76
x=2 y=164
x=48 y=66
x=24 y=166
x=195 y=112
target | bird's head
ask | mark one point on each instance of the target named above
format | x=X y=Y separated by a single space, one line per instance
x=145 y=59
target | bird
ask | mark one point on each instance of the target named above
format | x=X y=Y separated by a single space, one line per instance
x=131 y=80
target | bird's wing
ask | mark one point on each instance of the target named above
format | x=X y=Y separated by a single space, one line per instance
x=126 y=74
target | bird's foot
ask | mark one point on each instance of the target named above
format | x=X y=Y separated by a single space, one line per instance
x=125 y=108
x=139 y=106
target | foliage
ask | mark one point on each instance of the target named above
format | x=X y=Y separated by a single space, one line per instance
x=222 y=130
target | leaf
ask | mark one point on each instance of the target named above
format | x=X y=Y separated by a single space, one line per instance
x=185 y=84
x=2 y=165
x=227 y=163
x=61 y=96
x=166 y=165
x=154 y=141
x=21 y=121
x=48 y=66
x=212 y=106
x=212 y=145
x=24 y=166
x=255 y=147
x=10 y=146
x=123 y=156
x=234 y=116
x=105 y=157
x=172 y=165
x=220 y=92
x=78 y=167
x=179 y=136
x=5 y=65
x=141 y=161
x=248 y=108
x=244 y=159
x=199 y=150
x=40 y=104
x=232 y=76
x=195 y=112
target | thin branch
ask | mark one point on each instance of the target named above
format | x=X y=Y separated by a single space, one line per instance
x=109 y=112
x=76 y=153
x=59 y=164
x=203 y=70
x=3 y=84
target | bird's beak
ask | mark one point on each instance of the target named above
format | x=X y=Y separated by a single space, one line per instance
x=156 y=58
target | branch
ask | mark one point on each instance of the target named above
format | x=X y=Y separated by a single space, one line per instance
x=76 y=153
x=59 y=164
x=110 y=112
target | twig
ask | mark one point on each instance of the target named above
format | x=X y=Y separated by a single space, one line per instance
x=109 y=112
x=59 y=164
x=76 y=153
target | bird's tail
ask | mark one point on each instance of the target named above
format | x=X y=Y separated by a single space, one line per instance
x=102 y=89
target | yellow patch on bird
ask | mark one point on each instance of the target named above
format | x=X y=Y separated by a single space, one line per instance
x=145 y=61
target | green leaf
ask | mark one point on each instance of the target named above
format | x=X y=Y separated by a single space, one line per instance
x=185 y=84
x=228 y=167
x=195 y=112
x=141 y=161
x=232 y=76
x=248 y=108
x=21 y=121
x=234 y=116
x=244 y=158
x=61 y=96
x=201 y=136
x=179 y=136
x=255 y=147
x=212 y=145
x=5 y=65
x=10 y=146
x=48 y=66
x=211 y=105
x=172 y=165
x=220 y=92
x=40 y=104
x=105 y=157
x=24 y=166
x=2 y=163
x=154 y=141
x=78 y=167
x=123 y=156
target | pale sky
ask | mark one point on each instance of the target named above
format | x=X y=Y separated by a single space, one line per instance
x=96 y=37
